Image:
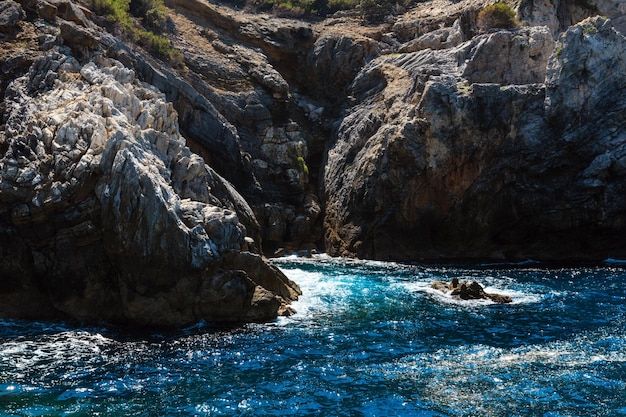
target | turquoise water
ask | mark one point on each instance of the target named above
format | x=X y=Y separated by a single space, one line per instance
x=369 y=339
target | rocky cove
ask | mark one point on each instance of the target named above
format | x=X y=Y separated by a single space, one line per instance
x=135 y=191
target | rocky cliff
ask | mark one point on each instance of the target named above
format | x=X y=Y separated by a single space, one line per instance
x=420 y=137
x=106 y=215
x=132 y=190
x=506 y=146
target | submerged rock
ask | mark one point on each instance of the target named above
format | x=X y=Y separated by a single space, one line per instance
x=469 y=291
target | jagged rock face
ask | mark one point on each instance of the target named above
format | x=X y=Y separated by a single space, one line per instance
x=442 y=143
x=10 y=14
x=439 y=14
x=334 y=62
x=238 y=88
x=430 y=166
x=105 y=214
x=558 y=15
x=508 y=57
x=443 y=38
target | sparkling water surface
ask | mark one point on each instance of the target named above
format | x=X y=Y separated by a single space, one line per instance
x=369 y=339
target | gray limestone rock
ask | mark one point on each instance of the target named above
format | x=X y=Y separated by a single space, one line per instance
x=334 y=62
x=442 y=38
x=559 y=15
x=411 y=140
x=100 y=195
x=429 y=165
x=516 y=56
x=10 y=14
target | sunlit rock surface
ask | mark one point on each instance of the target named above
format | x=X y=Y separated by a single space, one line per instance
x=468 y=291
x=430 y=164
x=105 y=214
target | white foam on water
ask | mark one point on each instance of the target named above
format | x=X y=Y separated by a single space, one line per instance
x=318 y=287
x=484 y=377
x=317 y=292
x=519 y=297
x=560 y=356
x=54 y=350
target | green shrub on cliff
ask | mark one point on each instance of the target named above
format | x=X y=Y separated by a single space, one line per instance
x=302 y=166
x=498 y=15
x=152 y=13
x=291 y=8
x=375 y=10
x=336 y=5
x=115 y=11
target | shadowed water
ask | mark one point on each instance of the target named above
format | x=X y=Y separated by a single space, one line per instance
x=369 y=339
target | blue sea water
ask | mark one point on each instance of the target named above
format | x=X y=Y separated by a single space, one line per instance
x=369 y=339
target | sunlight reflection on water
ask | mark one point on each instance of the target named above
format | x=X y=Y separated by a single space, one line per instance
x=369 y=339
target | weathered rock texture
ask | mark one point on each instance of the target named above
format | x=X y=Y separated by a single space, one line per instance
x=105 y=214
x=292 y=91
x=435 y=162
x=241 y=67
x=559 y=15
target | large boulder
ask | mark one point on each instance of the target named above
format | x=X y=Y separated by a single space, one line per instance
x=508 y=57
x=334 y=61
x=106 y=215
x=429 y=165
x=10 y=15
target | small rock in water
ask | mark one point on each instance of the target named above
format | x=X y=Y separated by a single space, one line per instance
x=471 y=291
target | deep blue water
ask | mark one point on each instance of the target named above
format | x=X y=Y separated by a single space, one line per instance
x=369 y=339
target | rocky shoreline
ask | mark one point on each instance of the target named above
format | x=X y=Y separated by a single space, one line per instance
x=136 y=192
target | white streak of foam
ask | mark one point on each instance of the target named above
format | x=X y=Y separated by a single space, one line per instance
x=320 y=294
